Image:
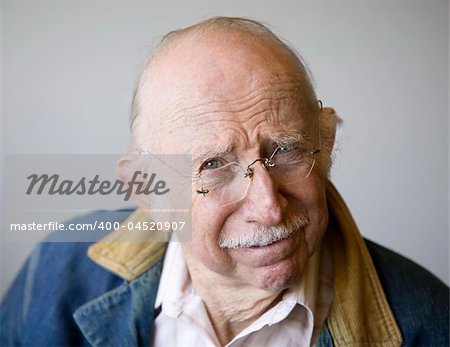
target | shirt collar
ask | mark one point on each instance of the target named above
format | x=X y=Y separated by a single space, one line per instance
x=175 y=286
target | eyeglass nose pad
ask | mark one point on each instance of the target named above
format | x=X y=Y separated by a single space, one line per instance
x=266 y=164
x=249 y=172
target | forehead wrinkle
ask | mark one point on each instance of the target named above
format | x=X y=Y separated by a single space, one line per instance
x=272 y=112
x=238 y=132
x=272 y=93
x=217 y=108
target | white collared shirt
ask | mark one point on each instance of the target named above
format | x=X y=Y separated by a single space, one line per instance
x=184 y=321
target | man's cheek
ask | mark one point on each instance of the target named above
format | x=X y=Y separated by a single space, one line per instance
x=205 y=236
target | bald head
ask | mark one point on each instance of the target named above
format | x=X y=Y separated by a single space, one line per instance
x=212 y=62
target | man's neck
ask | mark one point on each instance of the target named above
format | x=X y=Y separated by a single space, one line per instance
x=231 y=307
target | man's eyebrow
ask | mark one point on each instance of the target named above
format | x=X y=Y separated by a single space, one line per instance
x=290 y=137
x=211 y=150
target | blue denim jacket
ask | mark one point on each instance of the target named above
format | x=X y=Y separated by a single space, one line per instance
x=63 y=298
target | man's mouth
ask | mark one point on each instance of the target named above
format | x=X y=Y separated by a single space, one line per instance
x=266 y=244
x=265 y=236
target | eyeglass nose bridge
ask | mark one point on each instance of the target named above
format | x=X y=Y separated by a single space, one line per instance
x=266 y=163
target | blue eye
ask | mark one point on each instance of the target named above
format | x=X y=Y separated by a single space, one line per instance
x=210 y=164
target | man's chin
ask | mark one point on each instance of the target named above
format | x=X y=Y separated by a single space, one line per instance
x=274 y=277
x=279 y=276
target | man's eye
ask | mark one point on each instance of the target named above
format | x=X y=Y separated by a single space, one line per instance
x=287 y=148
x=210 y=164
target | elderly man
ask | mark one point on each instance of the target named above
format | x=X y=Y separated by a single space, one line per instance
x=275 y=257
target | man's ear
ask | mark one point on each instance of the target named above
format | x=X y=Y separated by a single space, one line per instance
x=123 y=168
x=126 y=167
x=329 y=121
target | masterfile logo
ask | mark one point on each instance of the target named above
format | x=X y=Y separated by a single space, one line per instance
x=140 y=183
x=43 y=193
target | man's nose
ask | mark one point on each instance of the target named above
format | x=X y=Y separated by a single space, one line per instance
x=264 y=204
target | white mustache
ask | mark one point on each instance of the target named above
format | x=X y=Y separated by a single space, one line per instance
x=264 y=236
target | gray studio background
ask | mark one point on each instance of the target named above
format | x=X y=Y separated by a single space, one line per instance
x=68 y=69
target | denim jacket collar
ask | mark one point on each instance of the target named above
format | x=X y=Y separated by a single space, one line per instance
x=124 y=315
x=359 y=316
